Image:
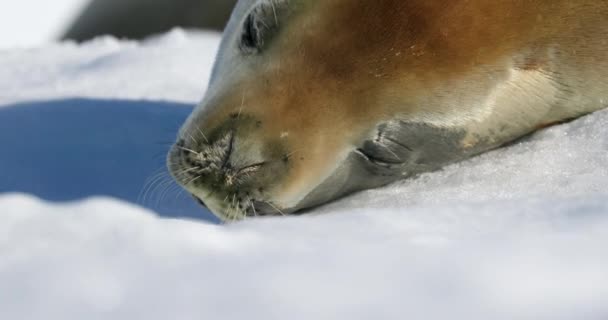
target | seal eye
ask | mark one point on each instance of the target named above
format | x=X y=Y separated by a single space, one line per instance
x=250 y=39
x=261 y=25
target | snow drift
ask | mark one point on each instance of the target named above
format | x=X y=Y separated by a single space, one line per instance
x=106 y=260
x=517 y=233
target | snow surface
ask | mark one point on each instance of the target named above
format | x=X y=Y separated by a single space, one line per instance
x=33 y=23
x=517 y=233
x=174 y=67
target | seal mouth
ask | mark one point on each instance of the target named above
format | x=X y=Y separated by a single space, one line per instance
x=252 y=209
x=266 y=208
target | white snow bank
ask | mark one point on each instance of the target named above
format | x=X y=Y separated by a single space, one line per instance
x=175 y=67
x=106 y=260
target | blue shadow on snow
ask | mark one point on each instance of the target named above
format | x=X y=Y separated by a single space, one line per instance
x=72 y=149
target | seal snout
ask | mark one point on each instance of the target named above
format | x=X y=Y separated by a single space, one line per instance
x=229 y=169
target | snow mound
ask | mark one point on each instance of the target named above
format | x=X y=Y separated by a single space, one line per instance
x=106 y=260
x=173 y=67
x=516 y=233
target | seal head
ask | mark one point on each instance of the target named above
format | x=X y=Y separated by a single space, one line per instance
x=312 y=100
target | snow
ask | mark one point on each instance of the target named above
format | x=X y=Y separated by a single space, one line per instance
x=517 y=233
x=159 y=69
x=32 y=23
x=101 y=259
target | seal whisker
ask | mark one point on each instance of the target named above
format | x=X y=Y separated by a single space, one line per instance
x=188 y=150
x=151 y=184
x=398 y=143
x=202 y=133
x=255 y=213
x=193 y=180
x=179 y=193
x=275 y=208
x=193 y=139
x=289 y=155
x=171 y=188
x=184 y=173
x=274 y=12
x=292 y=153
x=233 y=215
x=159 y=184
x=238 y=116
x=389 y=150
x=180 y=173
x=166 y=186
x=188 y=170
x=242 y=215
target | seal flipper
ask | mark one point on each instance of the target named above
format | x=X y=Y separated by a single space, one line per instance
x=398 y=149
x=407 y=148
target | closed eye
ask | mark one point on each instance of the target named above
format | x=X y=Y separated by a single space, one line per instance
x=261 y=25
x=250 y=38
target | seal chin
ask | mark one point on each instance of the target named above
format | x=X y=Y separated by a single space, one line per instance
x=233 y=209
x=351 y=176
x=355 y=173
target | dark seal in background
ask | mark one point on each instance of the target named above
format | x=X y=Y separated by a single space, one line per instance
x=136 y=19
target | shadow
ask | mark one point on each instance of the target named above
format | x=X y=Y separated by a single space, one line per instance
x=71 y=149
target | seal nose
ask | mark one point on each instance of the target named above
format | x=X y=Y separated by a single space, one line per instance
x=216 y=156
x=234 y=168
x=233 y=155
